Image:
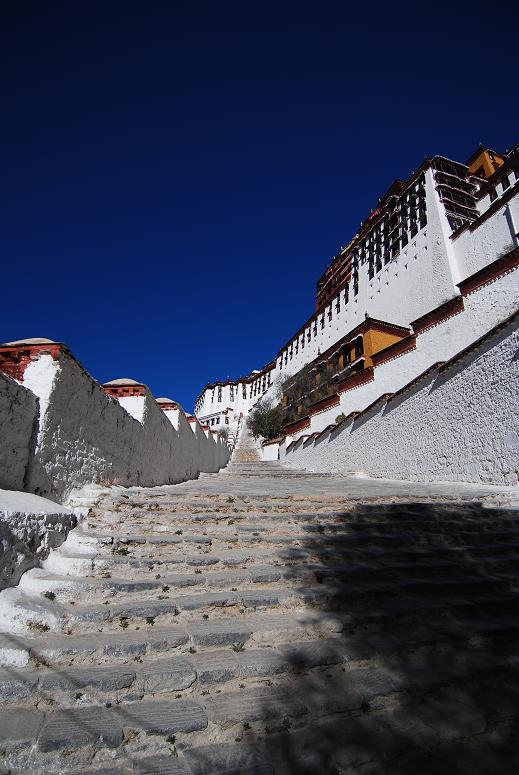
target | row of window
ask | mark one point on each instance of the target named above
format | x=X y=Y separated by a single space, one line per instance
x=317 y=324
x=257 y=387
x=216 y=421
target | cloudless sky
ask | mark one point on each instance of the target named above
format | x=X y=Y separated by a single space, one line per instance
x=175 y=177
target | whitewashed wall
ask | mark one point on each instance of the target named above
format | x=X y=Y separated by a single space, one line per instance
x=458 y=424
x=270 y=452
x=477 y=247
x=86 y=436
x=18 y=410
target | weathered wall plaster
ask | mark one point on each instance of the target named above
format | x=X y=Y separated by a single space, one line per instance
x=30 y=527
x=458 y=423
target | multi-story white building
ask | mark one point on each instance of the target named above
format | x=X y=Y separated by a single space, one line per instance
x=426 y=235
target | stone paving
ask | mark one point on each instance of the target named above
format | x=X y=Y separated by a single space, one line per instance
x=263 y=620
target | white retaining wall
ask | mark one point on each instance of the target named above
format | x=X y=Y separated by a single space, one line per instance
x=270 y=451
x=457 y=424
x=86 y=436
x=18 y=409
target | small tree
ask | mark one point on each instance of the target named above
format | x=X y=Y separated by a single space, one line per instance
x=265 y=420
x=223 y=433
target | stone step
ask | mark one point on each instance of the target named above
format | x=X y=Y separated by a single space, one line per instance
x=82 y=683
x=265 y=629
x=204 y=601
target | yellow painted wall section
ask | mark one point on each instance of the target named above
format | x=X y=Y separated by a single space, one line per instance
x=375 y=340
x=486 y=163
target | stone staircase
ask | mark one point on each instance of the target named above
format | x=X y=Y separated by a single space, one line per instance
x=247 y=449
x=268 y=621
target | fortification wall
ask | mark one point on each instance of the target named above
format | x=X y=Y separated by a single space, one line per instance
x=18 y=410
x=86 y=436
x=456 y=423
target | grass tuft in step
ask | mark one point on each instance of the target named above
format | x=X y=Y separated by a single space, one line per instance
x=129 y=735
x=238 y=647
x=37 y=626
x=123 y=622
x=50 y=595
x=150 y=620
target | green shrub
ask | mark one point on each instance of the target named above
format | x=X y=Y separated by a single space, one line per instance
x=266 y=421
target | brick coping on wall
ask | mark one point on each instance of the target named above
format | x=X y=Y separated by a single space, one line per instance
x=488 y=274
x=394 y=350
x=15 y=358
x=354 y=380
x=434 y=317
x=325 y=403
x=297 y=425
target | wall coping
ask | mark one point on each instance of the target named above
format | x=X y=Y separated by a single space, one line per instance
x=435 y=316
x=491 y=272
x=354 y=380
x=297 y=425
x=394 y=350
x=325 y=403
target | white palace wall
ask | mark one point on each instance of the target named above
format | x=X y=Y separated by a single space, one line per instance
x=457 y=423
x=87 y=436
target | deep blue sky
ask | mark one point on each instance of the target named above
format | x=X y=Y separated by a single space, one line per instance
x=173 y=183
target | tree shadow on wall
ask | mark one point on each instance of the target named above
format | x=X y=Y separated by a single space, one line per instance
x=423 y=676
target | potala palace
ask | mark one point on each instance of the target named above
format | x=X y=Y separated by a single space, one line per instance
x=411 y=343
x=178 y=597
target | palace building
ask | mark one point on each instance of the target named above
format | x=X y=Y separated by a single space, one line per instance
x=426 y=235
